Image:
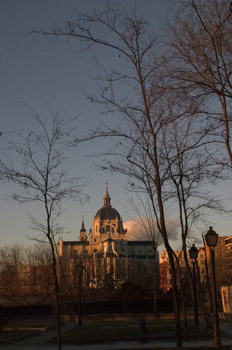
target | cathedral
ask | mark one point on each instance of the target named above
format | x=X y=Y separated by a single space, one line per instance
x=108 y=257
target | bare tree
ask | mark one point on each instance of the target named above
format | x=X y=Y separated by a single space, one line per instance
x=199 y=58
x=145 y=147
x=26 y=274
x=12 y=257
x=139 y=140
x=145 y=228
x=39 y=262
x=39 y=172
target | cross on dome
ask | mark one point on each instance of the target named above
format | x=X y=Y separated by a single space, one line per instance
x=107 y=198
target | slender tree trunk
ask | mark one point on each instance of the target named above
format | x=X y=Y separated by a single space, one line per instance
x=154 y=286
x=57 y=312
x=201 y=295
x=175 y=297
x=207 y=278
x=182 y=302
x=57 y=301
x=171 y=258
x=184 y=312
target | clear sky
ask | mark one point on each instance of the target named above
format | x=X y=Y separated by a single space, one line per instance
x=40 y=71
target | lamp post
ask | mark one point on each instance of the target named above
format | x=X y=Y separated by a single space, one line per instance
x=211 y=238
x=193 y=252
x=80 y=272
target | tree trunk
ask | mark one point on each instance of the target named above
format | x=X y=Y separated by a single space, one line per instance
x=154 y=286
x=201 y=295
x=57 y=301
x=182 y=302
x=175 y=297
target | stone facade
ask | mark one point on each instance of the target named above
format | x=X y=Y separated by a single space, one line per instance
x=106 y=253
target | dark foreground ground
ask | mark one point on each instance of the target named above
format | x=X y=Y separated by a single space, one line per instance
x=108 y=333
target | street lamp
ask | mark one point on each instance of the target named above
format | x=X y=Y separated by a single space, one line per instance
x=80 y=272
x=211 y=238
x=193 y=252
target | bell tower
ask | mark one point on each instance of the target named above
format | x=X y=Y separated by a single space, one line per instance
x=82 y=234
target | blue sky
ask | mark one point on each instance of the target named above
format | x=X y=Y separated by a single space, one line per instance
x=48 y=71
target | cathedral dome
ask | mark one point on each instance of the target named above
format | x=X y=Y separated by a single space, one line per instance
x=107 y=212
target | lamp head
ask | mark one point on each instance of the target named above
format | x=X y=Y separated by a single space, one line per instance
x=211 y=237
x=80 y=267
x=193 y=252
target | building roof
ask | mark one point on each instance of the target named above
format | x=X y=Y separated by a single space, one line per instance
x=74 y=243
x=148 y=243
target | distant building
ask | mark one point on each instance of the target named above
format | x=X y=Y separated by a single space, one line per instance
x=165 y=273
x=220 y=249
x=202 y=264
x=223 y=263
x=228 y=245
x=107 y=255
